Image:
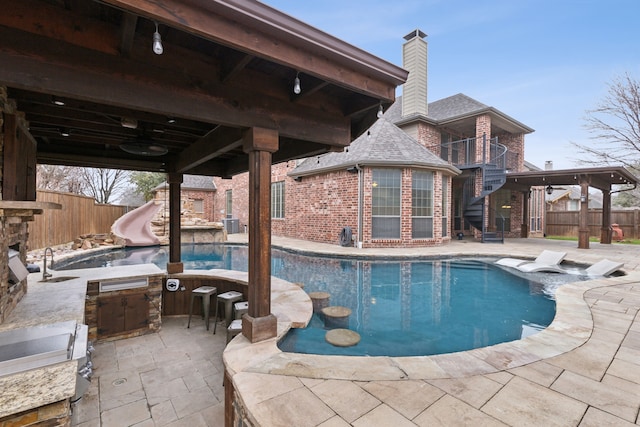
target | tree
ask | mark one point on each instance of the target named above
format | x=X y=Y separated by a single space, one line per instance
x=615 y=125
x=65 y=179
x=145 y=182
x=104 y=185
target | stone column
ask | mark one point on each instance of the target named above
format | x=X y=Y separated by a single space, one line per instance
x=259 y=324
x=175 y=257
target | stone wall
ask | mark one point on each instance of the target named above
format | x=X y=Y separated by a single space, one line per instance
x=153 y=292
x=54 y=415
x=13 y=231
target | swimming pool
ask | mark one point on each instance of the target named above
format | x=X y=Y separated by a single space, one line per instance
x=399 y=307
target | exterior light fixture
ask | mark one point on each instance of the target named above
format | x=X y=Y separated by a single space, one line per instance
x=57 y=101
x=64 y=132
x=157 y=42
x=583 y=198
x=296 y=84
x=549 y=189
x=380 y=111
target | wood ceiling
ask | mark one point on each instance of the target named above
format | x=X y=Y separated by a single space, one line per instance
x=80 y=69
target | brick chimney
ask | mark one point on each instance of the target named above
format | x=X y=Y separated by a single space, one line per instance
x=414 y=60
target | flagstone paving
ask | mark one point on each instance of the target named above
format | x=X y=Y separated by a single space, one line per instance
x=584 y=371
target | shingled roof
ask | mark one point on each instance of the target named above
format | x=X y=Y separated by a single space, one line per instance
x=451 y=108
x=384 y=144
x=193 y=182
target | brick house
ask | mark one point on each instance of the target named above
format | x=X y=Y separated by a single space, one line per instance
x=196 y=198
x=424 y=172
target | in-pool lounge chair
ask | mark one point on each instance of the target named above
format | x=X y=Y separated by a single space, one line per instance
x=546 y=261
x=604 y=268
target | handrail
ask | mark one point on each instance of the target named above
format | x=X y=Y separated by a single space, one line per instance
x=464 y=152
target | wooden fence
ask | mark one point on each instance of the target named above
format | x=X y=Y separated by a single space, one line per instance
x=565 y=223
x=79 y=215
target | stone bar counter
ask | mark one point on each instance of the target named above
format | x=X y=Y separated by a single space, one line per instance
x=44 y=393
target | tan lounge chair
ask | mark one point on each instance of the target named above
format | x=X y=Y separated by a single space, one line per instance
x=604 y=268
x=546 y=258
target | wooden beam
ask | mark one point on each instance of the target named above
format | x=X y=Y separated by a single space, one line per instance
x=219 y=141
x=100 y=161
x=127 y=34
x=235 y=62
x=269 y=34
x=45 y=66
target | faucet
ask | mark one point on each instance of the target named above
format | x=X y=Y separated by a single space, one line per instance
x=44 y=273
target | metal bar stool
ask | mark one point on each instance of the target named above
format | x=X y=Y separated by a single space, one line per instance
x=240 y=308
x=228 y=298
x=204 y=292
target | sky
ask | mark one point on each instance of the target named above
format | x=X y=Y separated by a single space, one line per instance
x=544 y=63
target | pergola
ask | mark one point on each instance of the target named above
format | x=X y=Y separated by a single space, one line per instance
x=218 y=101
x=602 y=178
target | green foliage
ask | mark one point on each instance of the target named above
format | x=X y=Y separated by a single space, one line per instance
x=145 y=182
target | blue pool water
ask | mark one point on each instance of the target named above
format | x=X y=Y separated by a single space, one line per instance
x=399 y=308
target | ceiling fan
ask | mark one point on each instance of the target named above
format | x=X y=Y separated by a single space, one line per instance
x=143 y=146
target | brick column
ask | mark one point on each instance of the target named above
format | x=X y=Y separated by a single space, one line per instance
x=259 y=324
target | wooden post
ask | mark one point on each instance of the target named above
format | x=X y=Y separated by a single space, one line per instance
x=175 y=257
x=605 y=230
x=583 y=219
x=259 y=324
x=524 y=229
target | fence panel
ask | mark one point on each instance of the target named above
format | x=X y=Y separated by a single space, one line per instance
x=565 y=223
x=79 y=215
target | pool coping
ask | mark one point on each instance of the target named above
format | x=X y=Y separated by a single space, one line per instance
x=571 y=327
x=255 y=369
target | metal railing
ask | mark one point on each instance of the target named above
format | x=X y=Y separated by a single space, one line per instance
x=464 y=153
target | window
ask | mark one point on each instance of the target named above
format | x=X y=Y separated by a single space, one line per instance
x=229 y=202
x=445 y=206
x=277 y=199
x=385 y=204
x=198 y=206
x=422 y=205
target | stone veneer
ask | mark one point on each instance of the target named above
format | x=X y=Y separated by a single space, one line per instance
x=13 y=231
x=154 y=293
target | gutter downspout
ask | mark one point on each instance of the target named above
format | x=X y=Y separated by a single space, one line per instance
x=360 y=203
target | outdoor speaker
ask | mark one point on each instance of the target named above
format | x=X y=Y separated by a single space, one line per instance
x=173 y=284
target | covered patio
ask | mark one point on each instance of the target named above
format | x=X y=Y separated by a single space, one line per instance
x=205 y=87
x=602 y=178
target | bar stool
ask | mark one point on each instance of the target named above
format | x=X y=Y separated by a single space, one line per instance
x=204 y=292
x=234 y=329
x=240 y=308
x=228 y=298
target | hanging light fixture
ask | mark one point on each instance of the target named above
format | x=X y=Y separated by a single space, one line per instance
x=296 y=84
x=549 y=189
x=157 y=42
x=380 y=111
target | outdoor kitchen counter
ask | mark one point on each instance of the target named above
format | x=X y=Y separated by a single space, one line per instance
x=45 y=304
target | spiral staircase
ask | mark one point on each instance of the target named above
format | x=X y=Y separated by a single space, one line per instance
x=492 y=170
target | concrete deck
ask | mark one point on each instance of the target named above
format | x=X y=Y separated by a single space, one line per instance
x=583 y=370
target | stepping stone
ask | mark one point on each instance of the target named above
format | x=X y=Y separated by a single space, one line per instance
x=342 y=337
x=320 y=300
x=336 y=316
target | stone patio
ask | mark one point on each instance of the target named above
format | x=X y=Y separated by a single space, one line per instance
x=582 y=371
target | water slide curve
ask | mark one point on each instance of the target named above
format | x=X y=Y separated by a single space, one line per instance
x=134 y=227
